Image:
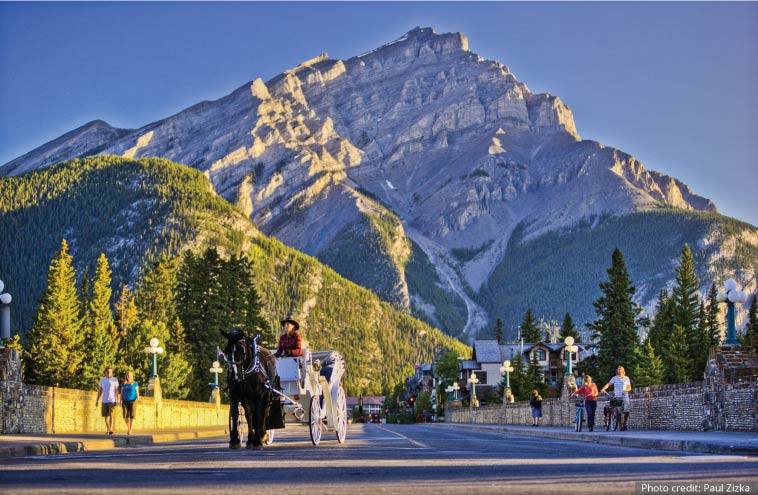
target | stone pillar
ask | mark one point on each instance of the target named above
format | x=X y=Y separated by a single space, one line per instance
x=11 y=390
x=728 y=368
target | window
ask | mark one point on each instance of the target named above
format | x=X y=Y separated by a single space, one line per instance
x=481 y=376
x=540 y=353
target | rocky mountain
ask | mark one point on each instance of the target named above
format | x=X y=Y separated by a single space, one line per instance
x=407 y=169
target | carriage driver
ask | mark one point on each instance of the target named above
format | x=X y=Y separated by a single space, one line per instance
x=290 y=343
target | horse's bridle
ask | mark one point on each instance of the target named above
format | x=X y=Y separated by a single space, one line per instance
x=237 y=370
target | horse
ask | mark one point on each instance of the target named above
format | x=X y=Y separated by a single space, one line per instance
x=250 y=376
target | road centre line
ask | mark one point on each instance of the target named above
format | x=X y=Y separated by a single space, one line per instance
x=414 y=442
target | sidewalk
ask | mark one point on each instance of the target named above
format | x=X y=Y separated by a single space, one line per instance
x=712 y=442
x=25 y=445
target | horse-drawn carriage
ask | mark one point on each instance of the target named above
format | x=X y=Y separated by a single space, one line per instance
x=271 y=395
x=312 y=381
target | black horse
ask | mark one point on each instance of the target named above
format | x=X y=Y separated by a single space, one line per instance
x=250 y=375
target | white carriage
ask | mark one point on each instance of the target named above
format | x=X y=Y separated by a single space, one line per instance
x=311 y=392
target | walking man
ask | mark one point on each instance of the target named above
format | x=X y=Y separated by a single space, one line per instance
x=108 y=390
x=621 y=388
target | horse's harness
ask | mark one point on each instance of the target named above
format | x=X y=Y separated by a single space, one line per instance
x=240 y=373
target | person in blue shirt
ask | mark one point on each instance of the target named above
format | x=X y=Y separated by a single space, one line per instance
x=129 y=397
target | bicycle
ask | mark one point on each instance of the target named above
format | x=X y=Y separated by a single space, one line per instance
x=612 y=412
x=579 y=418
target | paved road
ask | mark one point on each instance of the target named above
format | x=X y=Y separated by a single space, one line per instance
x=414 y=459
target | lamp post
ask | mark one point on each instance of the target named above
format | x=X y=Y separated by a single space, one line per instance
x=506 y=369
x=215 y=395
x=730 y=297
x=473 y=380
x=5 y=314
x=449 y=390
x=456 y=388
x=154 y=350
x=570 y=348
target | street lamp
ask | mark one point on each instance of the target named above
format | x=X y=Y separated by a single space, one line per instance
x=731 y=296
x=456 y=388
x=473 y=380
x=215 y=396
x=506 y=369
x=449 y=390
x=5 y=314
x=570 y=348
x=154 y=350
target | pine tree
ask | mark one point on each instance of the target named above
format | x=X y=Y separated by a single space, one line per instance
x=713 y=324
x=535 y=375
x=100 y=335
x=616 y=325
x=520 y=386
x=685 y=295
x=85 y=294
x=530 y=331
x=699 y=345
x=126 y=319
x=650 y=370
x=568 y=329
x=53 y=355
x=662 y=323
x=177 y=371
x=499 y=331
x=678 y=364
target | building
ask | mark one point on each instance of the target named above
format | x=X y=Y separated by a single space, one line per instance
x=371 y=404
x=488 y=358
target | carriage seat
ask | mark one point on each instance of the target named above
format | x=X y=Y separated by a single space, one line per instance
x=330 y=360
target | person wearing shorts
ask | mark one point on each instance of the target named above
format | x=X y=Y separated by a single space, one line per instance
x=108 y=390
x=129 y=397
x=621 y=388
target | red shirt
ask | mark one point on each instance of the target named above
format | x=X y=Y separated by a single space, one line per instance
x=290 y=343
x=589 y=392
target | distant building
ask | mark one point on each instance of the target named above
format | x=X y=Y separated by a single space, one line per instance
x=371 y=403
x=488 y=357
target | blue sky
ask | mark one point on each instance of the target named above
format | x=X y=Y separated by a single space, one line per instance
x=674 y=84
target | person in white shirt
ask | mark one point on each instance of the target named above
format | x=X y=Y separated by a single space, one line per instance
x=621 y=388
x=108 y=390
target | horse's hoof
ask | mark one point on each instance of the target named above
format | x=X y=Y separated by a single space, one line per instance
x=235 y=445
x=258 y=447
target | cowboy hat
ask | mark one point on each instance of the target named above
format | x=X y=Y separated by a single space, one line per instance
x=291 y=320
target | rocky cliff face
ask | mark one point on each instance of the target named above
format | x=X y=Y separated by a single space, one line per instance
x=420 y=135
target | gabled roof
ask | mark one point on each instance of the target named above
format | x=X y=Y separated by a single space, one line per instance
x=486 y=351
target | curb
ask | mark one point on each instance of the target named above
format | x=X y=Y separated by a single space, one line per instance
x=70 y=446
x=620 y=440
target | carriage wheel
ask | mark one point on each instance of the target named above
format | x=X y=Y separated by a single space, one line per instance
x=315 y=419
x=270 y=438
x=341 y=423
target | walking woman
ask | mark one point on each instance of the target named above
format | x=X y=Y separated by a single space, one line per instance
x=589 y=391
x=129 y=397
x=536 y=402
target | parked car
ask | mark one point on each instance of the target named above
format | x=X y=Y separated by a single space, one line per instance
x=375 y=418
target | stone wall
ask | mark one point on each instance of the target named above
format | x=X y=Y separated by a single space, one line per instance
x=727 y=400
x=28 y=408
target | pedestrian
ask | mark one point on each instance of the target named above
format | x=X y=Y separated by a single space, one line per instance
x=621 y=388
x=536 y=402
x=108 y=390
x=588 y=390
x=129 y=398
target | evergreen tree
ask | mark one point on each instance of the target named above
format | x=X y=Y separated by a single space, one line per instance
x=568 y=329
x=699 y=346
x=126 y=320
x=535 y=376
x=650 y=370
x=678 y=364
x=155 y=297
x=100 y=335
x=751 y=329
x=530 y=331
x=85 y=294
x=499 y=331
x=616 y=325
x=662 y=323
x=54 y=354
x=713 y=323
x=520 y=386
x=685 y=295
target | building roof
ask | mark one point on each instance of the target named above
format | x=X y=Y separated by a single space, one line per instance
x=486 y=351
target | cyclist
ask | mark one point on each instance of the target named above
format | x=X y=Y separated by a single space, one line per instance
x=589 y=391
x=621 y=388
